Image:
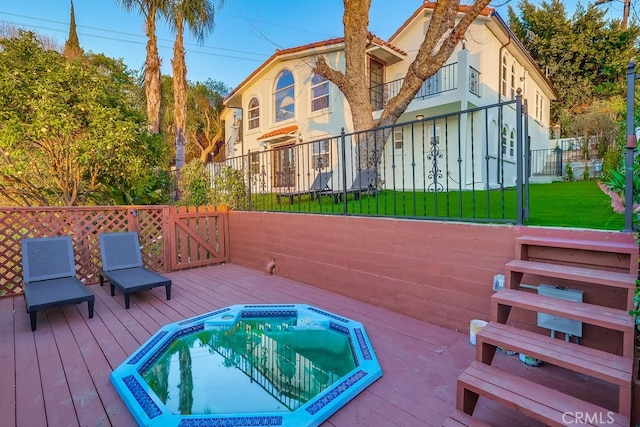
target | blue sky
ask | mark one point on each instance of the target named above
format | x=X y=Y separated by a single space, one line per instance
x=246 y=33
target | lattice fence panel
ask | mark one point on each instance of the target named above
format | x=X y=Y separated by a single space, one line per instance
x=84 y=224
x=151 y=231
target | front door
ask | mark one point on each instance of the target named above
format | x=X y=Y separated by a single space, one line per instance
x=284 y=172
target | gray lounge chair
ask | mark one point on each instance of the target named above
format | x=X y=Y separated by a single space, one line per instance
x=122 y=266
x=319 y=186
x=49 y=276
x=364 y=182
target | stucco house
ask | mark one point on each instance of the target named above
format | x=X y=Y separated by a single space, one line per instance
x=283 y=105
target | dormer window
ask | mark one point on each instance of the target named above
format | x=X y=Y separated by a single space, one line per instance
x=284 y=95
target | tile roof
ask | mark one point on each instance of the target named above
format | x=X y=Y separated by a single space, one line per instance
x=324 y=43
x=282 y=131
x=487 y=11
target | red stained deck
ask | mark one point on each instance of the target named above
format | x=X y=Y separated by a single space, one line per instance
x=59 y=375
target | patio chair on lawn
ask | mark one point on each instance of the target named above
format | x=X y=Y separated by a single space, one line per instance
x=364 y=182
x=49 y=276
x=122 y=266
x=319 y=186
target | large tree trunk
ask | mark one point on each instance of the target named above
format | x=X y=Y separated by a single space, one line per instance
x=152 y=76
x=443 y=35
x=179 y=93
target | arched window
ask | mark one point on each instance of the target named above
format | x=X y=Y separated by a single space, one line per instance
x=504 y=75
x=512 y=143
x=284 y=96
x=503 y=141
x=254 y=113
x=513 y=81
x=319 y=93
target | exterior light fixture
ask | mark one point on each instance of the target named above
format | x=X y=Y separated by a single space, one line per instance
x=299 y=137
x=419 y=116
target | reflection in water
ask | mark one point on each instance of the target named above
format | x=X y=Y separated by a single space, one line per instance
x=186 y=379
x=257 y=365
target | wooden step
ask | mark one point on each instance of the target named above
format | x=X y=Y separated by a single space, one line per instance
x=610 y=318
x=595 y=363
x=568 y=272
x=586 y=245
x=533 y=400
x=517 y=268
x=460 y=419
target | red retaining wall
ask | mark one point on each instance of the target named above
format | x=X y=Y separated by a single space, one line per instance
x=440 y=272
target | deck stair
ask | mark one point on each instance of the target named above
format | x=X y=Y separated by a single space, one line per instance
x=556 y=260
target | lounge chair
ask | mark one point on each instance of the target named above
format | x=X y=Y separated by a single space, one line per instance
x=320 y=185
x=122 y=266
x=364 y=182
x=49 y=276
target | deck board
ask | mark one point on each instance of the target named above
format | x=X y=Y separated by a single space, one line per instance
x=8 y=371
x=59 y=374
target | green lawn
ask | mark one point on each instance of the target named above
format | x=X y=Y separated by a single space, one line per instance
x=578 y=204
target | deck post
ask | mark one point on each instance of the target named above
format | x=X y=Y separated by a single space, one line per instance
x=520 y=161
x=632 y=144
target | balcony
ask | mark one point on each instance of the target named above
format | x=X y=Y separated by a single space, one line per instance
x=443 y=81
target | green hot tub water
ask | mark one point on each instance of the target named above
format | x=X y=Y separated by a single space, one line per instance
x=253 y=366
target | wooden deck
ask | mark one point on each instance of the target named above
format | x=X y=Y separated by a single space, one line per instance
x=59 y=374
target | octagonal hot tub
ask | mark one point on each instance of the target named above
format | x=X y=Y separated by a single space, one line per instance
x=248 y=365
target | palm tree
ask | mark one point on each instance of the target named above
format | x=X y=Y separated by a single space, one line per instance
x=198 y=17
x=149 y=9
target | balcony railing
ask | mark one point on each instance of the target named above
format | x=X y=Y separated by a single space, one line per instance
x=442 y=81
x=474 y=81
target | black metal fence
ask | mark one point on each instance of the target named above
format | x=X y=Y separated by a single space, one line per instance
x=547 y=162
x=459 y=166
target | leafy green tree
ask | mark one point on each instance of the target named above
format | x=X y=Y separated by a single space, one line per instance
x=69 y=131
x=585 y=56
x=72 y=49
x=204 y=125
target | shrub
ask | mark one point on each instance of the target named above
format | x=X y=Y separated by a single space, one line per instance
x=193 y=184
x=585 y=173
x=229 y=188
x=568 y=170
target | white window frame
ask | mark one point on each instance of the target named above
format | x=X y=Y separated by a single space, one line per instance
x=512 y=143
x=277 y=92
x=431 y=134
x=398 y=138
x=504 y=75
x=513 y=80
x=503 y=140
x=320 y=154
x=256 y=118
x=323 y=84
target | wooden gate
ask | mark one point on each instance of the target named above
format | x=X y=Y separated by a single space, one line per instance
x=199 y=236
